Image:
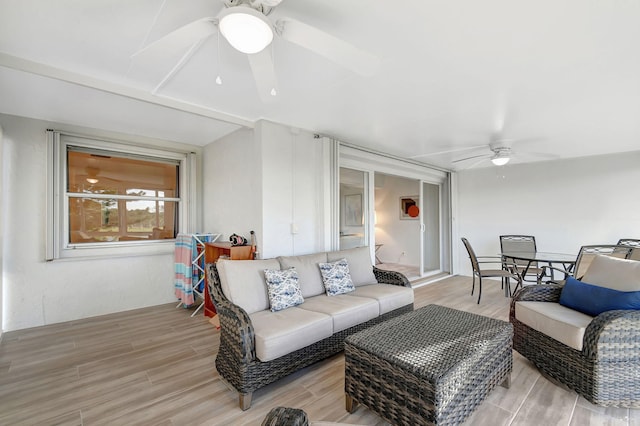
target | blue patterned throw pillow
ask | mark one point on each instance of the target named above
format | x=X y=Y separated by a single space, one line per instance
x=336 y=277
x=283 y=288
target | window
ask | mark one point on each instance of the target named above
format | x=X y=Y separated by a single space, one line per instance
x=111 y=198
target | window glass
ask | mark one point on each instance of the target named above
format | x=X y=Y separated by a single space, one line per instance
x=114 y=197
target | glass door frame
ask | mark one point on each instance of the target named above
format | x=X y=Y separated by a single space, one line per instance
x=423 y=230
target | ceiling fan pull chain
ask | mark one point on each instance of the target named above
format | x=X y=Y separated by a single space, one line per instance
x=218 y=77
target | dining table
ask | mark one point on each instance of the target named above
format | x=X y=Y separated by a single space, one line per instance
x=565 y=261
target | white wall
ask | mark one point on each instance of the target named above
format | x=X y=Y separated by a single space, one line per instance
x=267 y=180
x=564 y=204
x=232 y=187
x=397 y=235
x=37 y=292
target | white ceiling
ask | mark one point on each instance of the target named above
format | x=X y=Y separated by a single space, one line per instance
x=561 y=77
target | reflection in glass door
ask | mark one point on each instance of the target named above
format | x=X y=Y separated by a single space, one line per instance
x=353 y=208
x=430 y=227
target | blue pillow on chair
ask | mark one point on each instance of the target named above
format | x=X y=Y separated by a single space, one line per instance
x=593 y=300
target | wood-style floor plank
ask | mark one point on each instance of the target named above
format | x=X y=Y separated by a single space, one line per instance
x=155 y=366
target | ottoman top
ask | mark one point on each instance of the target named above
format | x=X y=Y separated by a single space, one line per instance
x=432 y=341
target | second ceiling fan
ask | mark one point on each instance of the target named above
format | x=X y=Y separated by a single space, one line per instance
x=247 y=28
x=500 y=152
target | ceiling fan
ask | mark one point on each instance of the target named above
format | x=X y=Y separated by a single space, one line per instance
x=500 y=153
x=247 y=28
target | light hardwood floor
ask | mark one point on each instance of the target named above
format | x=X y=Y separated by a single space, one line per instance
x=155 y=366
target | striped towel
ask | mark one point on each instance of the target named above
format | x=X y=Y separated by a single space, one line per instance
x=185 y=245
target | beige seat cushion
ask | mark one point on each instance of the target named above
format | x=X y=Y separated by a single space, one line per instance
x=389 y=297
x=282 y=332
x=243 y=282
x=615 y=273
x=360 y=267
x=345 y=310
x=556 y=321
x=309 y=276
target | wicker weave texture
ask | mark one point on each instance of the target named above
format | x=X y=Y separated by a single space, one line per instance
x=236 y=361
x=285 y=416
x=431 y=366
x=607 y=370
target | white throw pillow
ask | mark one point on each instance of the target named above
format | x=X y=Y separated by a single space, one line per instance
x=613 y=272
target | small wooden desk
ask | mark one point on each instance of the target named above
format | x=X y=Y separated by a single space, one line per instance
x=212 y=252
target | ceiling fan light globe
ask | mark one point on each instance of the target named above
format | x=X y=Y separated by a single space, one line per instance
x=92 y=180
x=500 y=160
x=246 y=29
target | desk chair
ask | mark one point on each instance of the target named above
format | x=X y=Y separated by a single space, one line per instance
x=588 y=253
x=525 y=243
x=481 y=273
x=631 y=242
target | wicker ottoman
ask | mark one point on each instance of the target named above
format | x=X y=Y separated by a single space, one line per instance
x=434 y=365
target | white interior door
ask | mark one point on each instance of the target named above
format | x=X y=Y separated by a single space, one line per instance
x=354 y=202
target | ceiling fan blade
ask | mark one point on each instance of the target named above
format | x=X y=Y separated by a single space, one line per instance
x=330 y=47
x=475 y=163
x=450 y=151
x=471 y=158
x=181 y=39
x=163 y=58
x=264 y=74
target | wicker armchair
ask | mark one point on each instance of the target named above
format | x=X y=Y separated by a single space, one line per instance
x=236 y=361
x=604 y=371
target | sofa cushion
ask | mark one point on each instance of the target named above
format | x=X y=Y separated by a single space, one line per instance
x=283 y=289
x=345 y=310
x=594 y=300
x=389 y=296
x=243 y=282
x=359 y=260
x=279 y=333
x=563 y=324
x=612 y=272
x=309 y=276
x=336 y=278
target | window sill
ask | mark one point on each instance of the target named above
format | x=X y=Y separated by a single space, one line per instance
x=114 y=250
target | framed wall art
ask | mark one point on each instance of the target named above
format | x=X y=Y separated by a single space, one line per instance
x=409 y=207
x=353 y=210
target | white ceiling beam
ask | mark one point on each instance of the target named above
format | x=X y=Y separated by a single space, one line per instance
x=44 y=70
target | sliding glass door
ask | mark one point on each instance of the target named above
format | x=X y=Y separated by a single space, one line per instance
x=430 y=227
x=401 y=210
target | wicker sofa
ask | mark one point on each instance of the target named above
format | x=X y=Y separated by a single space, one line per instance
x=596 y=356
x=258 y=346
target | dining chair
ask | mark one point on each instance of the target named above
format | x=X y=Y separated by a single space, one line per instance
x=481 y=273
x=522 y=243
x=588 y=253
x=631 y=242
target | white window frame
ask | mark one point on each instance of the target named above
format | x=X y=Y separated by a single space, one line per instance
x=58 y=246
